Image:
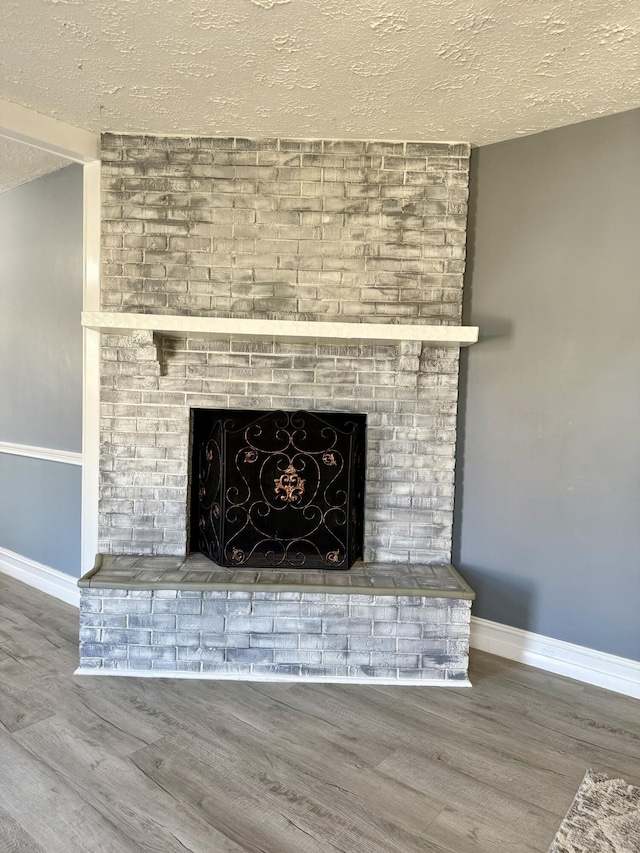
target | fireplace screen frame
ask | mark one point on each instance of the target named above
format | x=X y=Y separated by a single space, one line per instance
x=277 y=489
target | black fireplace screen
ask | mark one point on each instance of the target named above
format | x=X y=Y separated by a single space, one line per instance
x=278 y=489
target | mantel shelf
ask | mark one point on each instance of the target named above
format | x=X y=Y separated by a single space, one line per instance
x=292 y=330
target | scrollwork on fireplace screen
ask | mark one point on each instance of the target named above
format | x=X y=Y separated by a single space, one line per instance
x=278 y=489
x=289 y=486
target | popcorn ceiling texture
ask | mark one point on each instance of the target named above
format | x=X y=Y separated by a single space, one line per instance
x=281 y=228
x=21 y=163
x=453 y=69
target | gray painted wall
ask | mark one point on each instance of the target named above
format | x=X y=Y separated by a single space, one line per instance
x=40 y=504
x=548 y=505
x=41 y=366
x=40 y=305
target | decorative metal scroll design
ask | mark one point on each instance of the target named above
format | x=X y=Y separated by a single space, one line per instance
x=279 y=489
x=289 y=486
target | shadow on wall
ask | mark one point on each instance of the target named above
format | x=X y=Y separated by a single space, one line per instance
x=500 y=597
x=491 y=327
x=505 y=598
x=498 y=593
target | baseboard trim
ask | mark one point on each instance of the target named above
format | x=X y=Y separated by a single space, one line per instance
x=590 y=666
x=67 y=457
x=42 y=577
x=254 y=676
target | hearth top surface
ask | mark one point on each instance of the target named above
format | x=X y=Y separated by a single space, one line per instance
x=199 y=573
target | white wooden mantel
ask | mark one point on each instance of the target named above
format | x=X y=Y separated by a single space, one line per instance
x=292 y=330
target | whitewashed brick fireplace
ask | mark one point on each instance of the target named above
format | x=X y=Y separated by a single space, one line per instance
x=233 y=273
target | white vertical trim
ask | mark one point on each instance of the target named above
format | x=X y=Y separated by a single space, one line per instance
x=91 y=368
x=90 y=448
x=40 y=576
x=81 y=146
x=49 y=454
x=48 y=134
x=91 y=226
x=612 y=672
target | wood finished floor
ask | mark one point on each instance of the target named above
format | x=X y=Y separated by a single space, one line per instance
x=109 y=765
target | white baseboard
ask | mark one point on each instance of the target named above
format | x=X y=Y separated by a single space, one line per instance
x=619 y=674
x=40 y=576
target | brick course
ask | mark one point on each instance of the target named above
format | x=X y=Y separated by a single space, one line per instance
x=421 y=638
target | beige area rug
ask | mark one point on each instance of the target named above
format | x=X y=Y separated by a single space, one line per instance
x=604 y=818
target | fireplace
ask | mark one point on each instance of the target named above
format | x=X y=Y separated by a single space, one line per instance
x=380 y=243
x=276 y=489
x=264 y=279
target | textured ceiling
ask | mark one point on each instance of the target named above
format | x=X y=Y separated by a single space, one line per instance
x=407 y=69
x=20 y=163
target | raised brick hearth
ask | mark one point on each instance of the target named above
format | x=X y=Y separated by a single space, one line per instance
x=395 y=623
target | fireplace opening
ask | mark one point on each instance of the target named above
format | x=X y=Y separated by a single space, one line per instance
x=276 y=489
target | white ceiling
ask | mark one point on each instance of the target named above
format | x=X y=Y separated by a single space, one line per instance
x=20 y=163
x=406 y=69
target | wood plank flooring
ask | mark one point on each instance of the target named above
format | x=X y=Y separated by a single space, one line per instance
x=108 y=765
